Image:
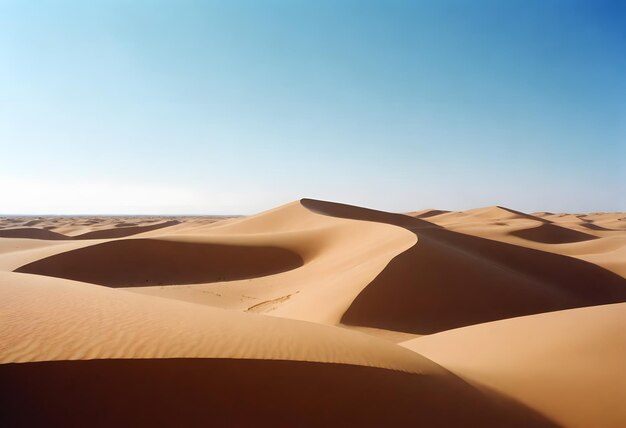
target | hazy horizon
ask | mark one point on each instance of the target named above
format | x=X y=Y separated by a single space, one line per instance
x=191 y=108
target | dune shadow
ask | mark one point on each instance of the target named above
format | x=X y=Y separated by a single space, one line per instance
x=552 y=234
x=33 y=233
x=431 y=213
x=149 y=262
x=234 y=392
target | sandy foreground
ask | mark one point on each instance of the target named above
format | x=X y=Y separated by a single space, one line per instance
x=315 y=314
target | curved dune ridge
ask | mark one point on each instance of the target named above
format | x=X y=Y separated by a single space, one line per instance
x=340 y=258
x=309 y=315
x=146 y=262
x=448 y=280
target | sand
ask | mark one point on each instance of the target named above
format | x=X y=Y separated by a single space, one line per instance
x=314 y=314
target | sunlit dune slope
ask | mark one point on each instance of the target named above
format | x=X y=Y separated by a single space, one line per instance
x=568 y=365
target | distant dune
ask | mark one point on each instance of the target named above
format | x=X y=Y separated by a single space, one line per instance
x=119 y=230
x=315 y=314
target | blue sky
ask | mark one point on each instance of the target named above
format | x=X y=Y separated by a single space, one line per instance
x=217 y=107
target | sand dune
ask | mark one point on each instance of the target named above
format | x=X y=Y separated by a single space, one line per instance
x=291 y=317
x=123 y=231
x=426 y=213
x=551 y=234
x=48 y=318
x=70 y=357
x=115 y=231
x=586 y=237
x=569 y=365
x=340 y=258
x=486 y=214
x=32 y=233
x=449 y=279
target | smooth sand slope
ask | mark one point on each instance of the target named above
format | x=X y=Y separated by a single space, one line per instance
x=290 y=318
x=569 y=365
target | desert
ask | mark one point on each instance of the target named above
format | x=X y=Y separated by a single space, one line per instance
x=315 y=313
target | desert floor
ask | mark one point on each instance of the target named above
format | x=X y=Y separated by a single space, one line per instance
x=315 y=314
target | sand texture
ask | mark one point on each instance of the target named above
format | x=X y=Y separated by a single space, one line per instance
x=315 y=314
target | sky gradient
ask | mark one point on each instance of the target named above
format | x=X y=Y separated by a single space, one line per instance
x=233 y=107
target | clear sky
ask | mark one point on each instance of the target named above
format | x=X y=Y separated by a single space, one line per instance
x=216 y=107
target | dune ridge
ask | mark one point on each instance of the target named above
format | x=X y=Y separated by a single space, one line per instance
x=340 y=257
x=448 y=280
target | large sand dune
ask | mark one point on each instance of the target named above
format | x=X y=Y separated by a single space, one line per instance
x=291 y=318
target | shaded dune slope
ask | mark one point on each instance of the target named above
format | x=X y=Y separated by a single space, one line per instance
x=597 y=227
x=486 y=214
x=148 y=262
x=231 y=392
x=32 y=233
x=121 y=232
x=552 y=234
x=448 y=279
